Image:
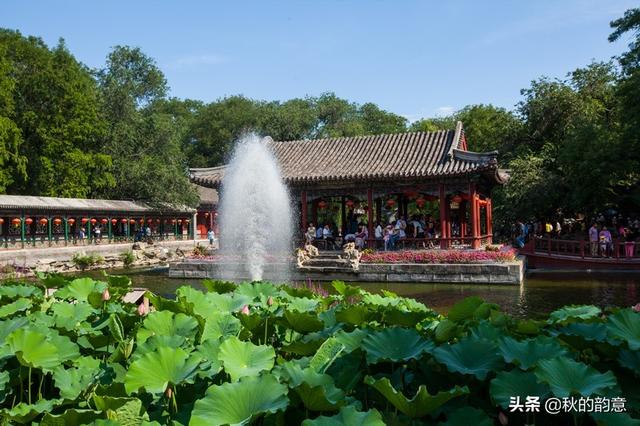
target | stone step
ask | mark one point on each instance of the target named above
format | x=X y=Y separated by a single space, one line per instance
x=327 y=261
x=325 y=269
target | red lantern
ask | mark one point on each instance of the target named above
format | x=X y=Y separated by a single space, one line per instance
x=28 y=221
x=16 y=221
x=71 y=221
x=456 y=198
x=84 y=220
x=123 y=220
x=420 y=201
x=93 y=221
x=44 y=221
x=114 y=221
x=179 y=221
x=132 y=221
x=349 y=203
x=141 y=220
x=104 y=221
x=1 y=221
x=158 y=221
x=173 y=221
x=57 y=221
x=187 y=221
x=391 y=202
x=206 y=214
x=149 y=220
x=322 y=204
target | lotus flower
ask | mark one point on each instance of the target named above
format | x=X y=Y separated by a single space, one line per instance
x=269 y=301
x=636 y=307
x=168 y=392
x=106 y=295
x=245 y=310
x=143 y=308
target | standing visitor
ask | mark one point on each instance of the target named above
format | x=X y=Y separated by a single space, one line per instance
x=327 y=235
x=378 y=232
x=593 y=239
x=548 y=228
x=311 y=233
x=211 y=236
x=629 y=243
x=361 y=237
x=521 y=233
x=605 y=242
x=97 y=233
x=558 y=228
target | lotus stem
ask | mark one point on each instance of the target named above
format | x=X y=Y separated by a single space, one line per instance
x=40 y=386
x=29 y=386
x=266 y=324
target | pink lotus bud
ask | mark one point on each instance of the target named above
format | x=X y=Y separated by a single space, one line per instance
x=141 y=310
x=636 y=307
x=106 y=295
x=245 y=310
x=168 y=392
x=270 y=301
x=502 y=418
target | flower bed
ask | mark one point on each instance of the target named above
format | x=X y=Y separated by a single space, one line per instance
x=440 y=256
x=267 y=354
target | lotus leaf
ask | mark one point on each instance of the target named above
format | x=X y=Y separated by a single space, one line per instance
x=155 y=342
x=630 y=360
x=24 y=413
x=72 y=381
x=588 y=331
x=567 y=377
x=625 y=325
x=14 y=291
x=345 y=290
x=304 y=346
x=303 y=322
x=376 y=299
x=467 y=416
x=354 y=314
x=326 y=354
x=154 y=371
x=238 y=403
x=512 y=383
x=211 y=365
x=68 y=316
x=527 y=353
x=19 y=305
x=254 y=290
x=574 y=311
x=352 y=340
x=241 y=359
x=421 y=404
x=215 y=286
x=302 y=304
x=8 y=326
x=348 y=416
x=34 y=349
x=445 y=331
x=485 y=330
x=472 y=356
x=316 y=390
x=195 y=302
x=395 y=344
x=218 y=324
x=72 y=417
x=4 y=380
x=402 y=318
x=80 y=289
x=165 y=323
x=465 y=309
x=126 y=411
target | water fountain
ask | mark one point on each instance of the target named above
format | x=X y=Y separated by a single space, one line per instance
x=255 y=211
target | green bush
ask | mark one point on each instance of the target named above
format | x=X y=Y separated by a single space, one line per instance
x=199 y=250
x=127 y=258
x=258 y=352
x=83 y=261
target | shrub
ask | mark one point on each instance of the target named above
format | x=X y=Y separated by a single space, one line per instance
x=199 y=250
x=83 y=261
x=127 y=258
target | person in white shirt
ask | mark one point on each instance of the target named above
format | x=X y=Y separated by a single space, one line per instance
x=211 y=236
x=378 y=232
x=311 y=233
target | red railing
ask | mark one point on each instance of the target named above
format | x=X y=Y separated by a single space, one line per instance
x=584 y=249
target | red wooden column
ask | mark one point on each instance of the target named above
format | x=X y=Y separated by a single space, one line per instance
x=463 y=222
x=489 y=214
x=444 y=218
x=370 y=217
x=475 y=216
x=303 y=211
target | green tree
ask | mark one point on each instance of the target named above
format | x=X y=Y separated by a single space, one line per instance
x=377 y=121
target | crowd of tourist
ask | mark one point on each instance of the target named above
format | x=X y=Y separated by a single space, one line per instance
x=605 y=234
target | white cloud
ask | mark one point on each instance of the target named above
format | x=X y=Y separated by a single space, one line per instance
x=190 y=61
x=444 y=111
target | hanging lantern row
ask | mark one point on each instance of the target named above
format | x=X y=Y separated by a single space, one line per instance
x=349 y=203
x=322 y=204
x=57 y=221
x=456 y=198
x=391 y=202
x=1 y=221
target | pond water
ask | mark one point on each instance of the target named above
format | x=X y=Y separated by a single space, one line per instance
x=540 y=293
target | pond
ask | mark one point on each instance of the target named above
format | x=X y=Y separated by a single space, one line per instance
x=540 y=293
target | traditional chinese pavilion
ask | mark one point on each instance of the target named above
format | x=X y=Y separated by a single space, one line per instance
x=376 y=178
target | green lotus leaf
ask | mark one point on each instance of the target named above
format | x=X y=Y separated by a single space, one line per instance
x=614 y=419
x=240 y=402
x=116 y=328
x=215 y=286
x=19 y=305
x=476 y=357
x=484 y=330
x=302 y=304
x=583 y=312
x=305 y=346
x=395 y=344
x=512 y=383
x=72 y=416
x=155 y=342
x=24 y=413
x=4 y=380
x=631 y=360
x=526 y=353
x=445 y=331
x=11 y=292
x=72 y=381
x=345 y=290
x=9 y=325
x=625 y=325
x=400 y=317
x=241 y=359
x=348 y=416
x=220 y=324
x=68 y=316
x=421 y=404
x=464 y=309
x=80 y=289
x=196 y=302
x=528 y=326
x=165 y=323
x=209 y=351
x=589 y=331
x=155 y=371
x=378 y=300
x=316 y=390
x=354 y=314
x=125 y=411
x=328 y=352
x=303 y=322
x=467 y=416
x=225 y=303
x=255 y=290
x=567 y=377
x=351 y=340
x=34 y=349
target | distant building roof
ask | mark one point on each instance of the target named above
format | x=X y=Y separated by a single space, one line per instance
x=208 y=196
x=29 y=202
x=373 y=157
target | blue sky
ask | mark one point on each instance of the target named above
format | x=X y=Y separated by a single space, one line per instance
x=415 y=58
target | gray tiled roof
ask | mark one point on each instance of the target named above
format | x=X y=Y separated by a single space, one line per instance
x=375 y=157
x=18 y=202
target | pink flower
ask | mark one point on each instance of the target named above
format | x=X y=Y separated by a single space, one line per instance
x=245 y=310
x=636 y=307
x=168 y=392
x=269 y=301
x=143 y=308
x=106 y=295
